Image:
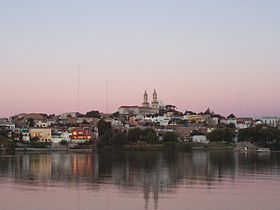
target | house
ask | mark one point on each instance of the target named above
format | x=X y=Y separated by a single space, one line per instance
x=80 y=135
x=41 y=124
x=43 y=134
x=231 y=120
x=161 y=120
x=200 y=139
x=195 y=118
x=243 y=123
x=64 y=116
x=25 y=136
x=271 y=121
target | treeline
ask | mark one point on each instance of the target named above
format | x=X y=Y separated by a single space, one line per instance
x=261 y=135
x=117 y=138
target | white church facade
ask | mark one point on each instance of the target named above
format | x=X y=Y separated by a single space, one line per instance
x=145 y=109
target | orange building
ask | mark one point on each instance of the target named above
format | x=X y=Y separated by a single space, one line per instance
x=80 y=135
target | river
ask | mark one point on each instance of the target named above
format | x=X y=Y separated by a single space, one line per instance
x=200 y=180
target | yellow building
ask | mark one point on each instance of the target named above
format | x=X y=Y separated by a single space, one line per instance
x=44 y=134
x=195 y=118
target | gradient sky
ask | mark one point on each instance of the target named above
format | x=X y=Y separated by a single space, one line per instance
x=220 y=54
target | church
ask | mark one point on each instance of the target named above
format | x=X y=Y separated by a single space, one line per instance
x=145 y=109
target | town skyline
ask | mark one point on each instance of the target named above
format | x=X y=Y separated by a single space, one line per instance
x=80 y=107
x=150 y=101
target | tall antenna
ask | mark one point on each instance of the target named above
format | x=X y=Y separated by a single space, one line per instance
x=78 y=88
x=107 y=97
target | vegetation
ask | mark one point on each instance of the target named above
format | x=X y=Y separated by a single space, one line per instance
x=221 y=135
x=169 y=137
x=94 y=114
x=261 y=135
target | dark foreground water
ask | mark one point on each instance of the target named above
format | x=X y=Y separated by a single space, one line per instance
x=140 y=180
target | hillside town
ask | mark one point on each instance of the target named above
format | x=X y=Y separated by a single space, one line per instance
x=157 y=122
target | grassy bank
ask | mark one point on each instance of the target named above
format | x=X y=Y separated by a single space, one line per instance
x=180 y=146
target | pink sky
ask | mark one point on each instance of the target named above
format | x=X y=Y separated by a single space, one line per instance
x=219 y=55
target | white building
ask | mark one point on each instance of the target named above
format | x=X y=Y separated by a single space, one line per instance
x=243 y=123
x=41 y=124
x=144 y=110
x=162 y=120
x=25 y=134
x=200 y=139
x=68 y=114
x=271 y=121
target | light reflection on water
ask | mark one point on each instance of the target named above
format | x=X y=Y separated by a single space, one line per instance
x=140 y=180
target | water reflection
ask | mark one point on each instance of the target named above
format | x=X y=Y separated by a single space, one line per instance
x=151 y=173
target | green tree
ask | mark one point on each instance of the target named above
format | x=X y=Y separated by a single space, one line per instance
x=261 y=135
x=170 y=137
x=119 y=140
x=151 y=138
x=221 y=135
x=105 y=139
x=94 y=114
x=149 y=135
x=134 y=135
x=103 y=126
x=30 y=122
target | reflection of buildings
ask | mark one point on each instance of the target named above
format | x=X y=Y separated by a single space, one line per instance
x=82 y=166
x=40 y=168
x=152 y=173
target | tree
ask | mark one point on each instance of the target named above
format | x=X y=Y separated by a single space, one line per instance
x=105 y=139
x=231 y=116
x=151 y=138
x=170 y=137
x=170 y=108
x=261 y=135
x=119 y=139
x=221 y=135
x=103 y=126
x=94 y=114
x=30 y=122
x=134 y=135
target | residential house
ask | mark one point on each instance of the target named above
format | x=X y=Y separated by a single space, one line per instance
x=43 y=134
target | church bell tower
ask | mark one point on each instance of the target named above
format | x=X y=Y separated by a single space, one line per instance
x=145 y=100
x=155 y=103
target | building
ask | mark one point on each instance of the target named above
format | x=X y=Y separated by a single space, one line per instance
x=144 y=110
x=145 y=103
x=155 y=103
x=41 y=124
x=25 y=134
x=161 y=120
x=80 y=135
x=243 y=123
x=200 y=139
x=43 y=134
x=271 y=121
x=195 y=118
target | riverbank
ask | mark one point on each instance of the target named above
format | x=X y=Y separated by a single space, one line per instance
x=182 y=146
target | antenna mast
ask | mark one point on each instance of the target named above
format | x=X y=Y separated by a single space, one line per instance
x=78 y=88
x=107 y=97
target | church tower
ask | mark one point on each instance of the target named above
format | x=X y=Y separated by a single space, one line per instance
x=155 y=103
x=145 y=100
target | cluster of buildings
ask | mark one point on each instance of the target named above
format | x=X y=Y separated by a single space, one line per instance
x=74 y=127
x=189 y=126
x=68 y=127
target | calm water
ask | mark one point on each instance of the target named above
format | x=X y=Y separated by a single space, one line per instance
x=144 y=180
